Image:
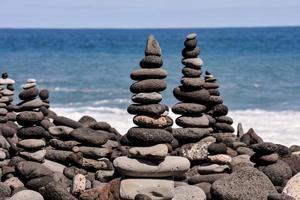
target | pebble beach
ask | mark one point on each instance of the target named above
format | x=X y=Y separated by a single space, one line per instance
x=193 y=149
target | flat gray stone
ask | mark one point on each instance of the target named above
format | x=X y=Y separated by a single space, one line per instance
x=158 y=151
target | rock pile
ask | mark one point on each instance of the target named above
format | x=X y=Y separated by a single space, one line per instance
x=148 y=169
x=215 y=107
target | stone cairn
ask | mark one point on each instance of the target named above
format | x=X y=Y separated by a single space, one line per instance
x=215 y=107
x=147 y=169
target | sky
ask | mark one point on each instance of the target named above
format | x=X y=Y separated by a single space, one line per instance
x=148 y=13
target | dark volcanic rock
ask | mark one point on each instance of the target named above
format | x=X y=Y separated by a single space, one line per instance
x=29 y=118
x=7 y=131
x=64 y=121
x=147 y=98
x=278 y=173
x=142 y=197
x=87 y=120
x=247 y=183
x=197 y=96
x=188 y=109
x=190 y=53
x=32 y=132
x=142 y=74
x=264 y=148
x=151 y=62
x=89 y=136
x=100 y=126
x=294 y=163
x=152 y=47
x=149 y=85
x=150 y=109
x=224 y=127
x=188 y=135
x=30 y=170
x=29 y=94
x=64 y=145
x=209 y=178
x=217 y=148
x=44 y=94
x=219 y=110
x=189 y=72
x=54 y=191
x=147 y=136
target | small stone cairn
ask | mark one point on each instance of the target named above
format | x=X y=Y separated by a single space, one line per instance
x=148 y=170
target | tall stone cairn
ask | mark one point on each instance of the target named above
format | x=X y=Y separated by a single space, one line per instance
x=148 y=167
x=215 y=107
x=192 y=96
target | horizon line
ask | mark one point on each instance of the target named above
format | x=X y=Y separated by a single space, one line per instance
x=135 y=28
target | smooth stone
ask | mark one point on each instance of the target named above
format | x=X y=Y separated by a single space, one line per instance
x=14 y=183
x=193 y=122
x=219 y=110
x=60 y=130
x=151 y=61
x=31 y=80
x=54 y=191
x=292 y=187
x=144 y=121
x=110 y=144
x=223 y=127
x=196 y=151
x=158 y=151
x=192 y=83
x=60 y=156
x=28 y=85
x=78 y=184
x=244 y=184
x=4 y=143
x=147 y=136
x=93 y=152
x=143 y=74
x=146 y=168
x=4 y=190
x=64 y=121
x=195 y=63
x=54 y=166
x=10 y=87
x=6 y=81
x=213 y=168
x=29 y=118
x=152 y=46
x=279 y=173
x=27 y=195
x=217 y=148
x=205 y=187
x=89 y=136
x=149 y=85
x=63 y=145
x=147 y=98
x=32 y=104
x=192 y=73
x=7 y=131
x=38 y=156
x=251 y=138
x=225 y=119
x=214 y=92
x=280 y=197
x=4 y=99
x=191 y=36
x=154 y=188
x=70 y=172
x=220 y=159
x=269 y=159
x=3 y=105
x=44 y=94
x=149 y=109
x=245 y=150
x=86 y=120
x=190 y=53
x=100 y=126
x=7 y=92
x=209 y=178
x=188 y=109
x=197 y=96
x=211 y=85
x=264 y=148
x=31 y=132
x=11 y=116
x=190 y=134
x=30 y=170
x=189 y=192
x=31 y=144
x=29 y=94
x=190 y=44
x=2 y=155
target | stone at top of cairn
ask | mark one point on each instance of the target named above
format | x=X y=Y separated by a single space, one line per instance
x=152 y=47
x=5 y=80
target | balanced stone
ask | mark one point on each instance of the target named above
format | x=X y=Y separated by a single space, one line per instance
x=89 y=135
x=93 y=152
x=152 y=122
x=64 y=121
x=188 y=108
x=191 y=36
x=190 y=53
x=195 y=63
x=197 y=122
x=152 y=47
x=64 y=145
x=196 y=96
x=264 y=148
x=147 y=98
x=29 y=118
x=142 y=74
x=217 y=148
x=154 y=188
x=146 y=168
x=151 y=61
x=32 y=104
x=149 y=85
x=28 y=85
x=149 y=109
x=60 y=130
x=190 y=134
x=147 y=136
x=31 y=144
x=44 y=94
x=29 y=94
x=194 y=83
x=31 y=132
x=158 y=151
x=190 y=72
x=190 y=44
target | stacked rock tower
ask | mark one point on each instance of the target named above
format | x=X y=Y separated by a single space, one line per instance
x=6 y=98
x=215 y=107
x=192 y=95
x=147 y=166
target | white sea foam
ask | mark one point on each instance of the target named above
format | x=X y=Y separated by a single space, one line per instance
x=275 y=126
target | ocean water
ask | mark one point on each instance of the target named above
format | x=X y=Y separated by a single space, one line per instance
x=87 y=71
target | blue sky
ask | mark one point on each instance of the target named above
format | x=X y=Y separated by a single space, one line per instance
x=147 y=13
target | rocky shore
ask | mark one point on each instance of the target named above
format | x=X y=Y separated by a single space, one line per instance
x=44 y=156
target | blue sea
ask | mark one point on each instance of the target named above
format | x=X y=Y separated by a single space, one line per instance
x=87 y=71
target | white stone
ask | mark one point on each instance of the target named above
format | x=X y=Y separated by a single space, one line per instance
x=189 y=192
x=78 y=184
x=27 y=195
x=292 y=188
x=6 y=81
